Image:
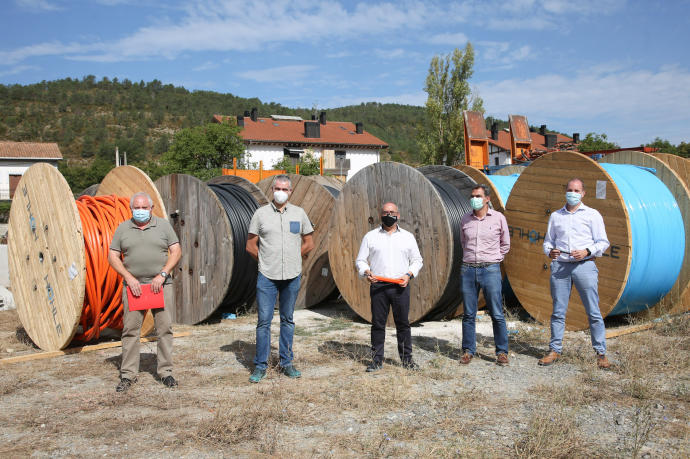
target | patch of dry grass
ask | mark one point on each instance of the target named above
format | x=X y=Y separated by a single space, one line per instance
x=551 y=433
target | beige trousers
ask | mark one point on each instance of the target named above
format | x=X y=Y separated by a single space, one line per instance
x=131 y=333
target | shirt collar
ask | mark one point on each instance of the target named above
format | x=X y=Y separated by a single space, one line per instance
x=275 y=209
x=490 y=211
x=152 y=222
x=582 y=206
x=397 y=229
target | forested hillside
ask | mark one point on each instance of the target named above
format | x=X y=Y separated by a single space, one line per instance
x=88 y=118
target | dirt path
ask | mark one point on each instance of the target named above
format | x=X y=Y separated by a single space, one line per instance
x=67 y=406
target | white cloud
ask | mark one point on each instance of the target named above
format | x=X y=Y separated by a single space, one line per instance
x=287 y=73
x=632 y=106
x=208 y=65
x=495 y=55
x=453 y=39
x=17 y=70
x=37 y=5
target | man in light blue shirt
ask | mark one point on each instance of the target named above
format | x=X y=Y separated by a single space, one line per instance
x=575 y=236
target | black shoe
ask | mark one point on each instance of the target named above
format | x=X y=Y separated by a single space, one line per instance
x=124 y=385
x=410 y=365
x=169 y=381
x=374 y=366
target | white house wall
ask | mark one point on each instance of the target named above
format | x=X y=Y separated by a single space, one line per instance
x=272 y=154
x=11 y=167
x=502 y=155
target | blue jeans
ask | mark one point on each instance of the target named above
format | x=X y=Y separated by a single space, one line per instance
x=267 y=291
x=585 y=277
x=489 y=280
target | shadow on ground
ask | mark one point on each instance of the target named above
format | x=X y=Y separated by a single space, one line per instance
x=356 y=352
x=147 y=362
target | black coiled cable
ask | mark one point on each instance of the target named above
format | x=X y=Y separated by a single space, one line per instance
x=456 y=205
x=239 y=206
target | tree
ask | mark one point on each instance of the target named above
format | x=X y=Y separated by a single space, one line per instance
x=308 y=165
x=441 y=136
x=663 y=145
x=683 y=150
x=202 y=150
x=596 y=142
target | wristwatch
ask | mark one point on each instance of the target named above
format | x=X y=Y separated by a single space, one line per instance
x=163 y=274
x=589 y=253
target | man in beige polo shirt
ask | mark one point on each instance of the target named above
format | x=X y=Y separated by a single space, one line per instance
x=280 y=234
x=144 y=250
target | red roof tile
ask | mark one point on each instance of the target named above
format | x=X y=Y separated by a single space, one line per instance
x=268 y=130
x=29 y=150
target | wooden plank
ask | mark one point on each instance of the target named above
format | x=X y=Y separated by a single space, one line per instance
x=510 y=170
x=613 y=333
x=78 y=350
x=202 y=277
x=46 y=257
x=357 y=211
x=532 y=200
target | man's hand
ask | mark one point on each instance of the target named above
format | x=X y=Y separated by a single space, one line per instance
x=370 y=276
x=157 y=283
x=579 y=254
x=406 y=278
x=555 y=253
x=134 y=285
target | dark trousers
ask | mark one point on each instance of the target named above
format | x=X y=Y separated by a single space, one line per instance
x=383 y=297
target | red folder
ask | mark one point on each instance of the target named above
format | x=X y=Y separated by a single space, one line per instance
x=147 y=299
x=389 y=280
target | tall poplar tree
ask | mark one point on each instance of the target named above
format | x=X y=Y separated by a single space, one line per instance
x=441 y=136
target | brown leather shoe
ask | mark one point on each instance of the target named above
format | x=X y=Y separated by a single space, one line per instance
x=466 y=358
x=603 y=362
x=502 y=359
x=549 y=358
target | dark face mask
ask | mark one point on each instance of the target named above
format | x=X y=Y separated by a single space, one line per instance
x=389 y=220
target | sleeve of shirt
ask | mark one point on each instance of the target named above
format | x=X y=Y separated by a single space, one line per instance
x=414 y=256
x=307 y=227
x=463 y=237
x=505 y=236
x=362 y=261
x=601 y=241
x=254 y=223
x=550 y=238
x=170 y=233
x=116 y=243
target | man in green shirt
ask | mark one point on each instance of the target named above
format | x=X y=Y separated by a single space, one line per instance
x=144 y=250
x=280 y=234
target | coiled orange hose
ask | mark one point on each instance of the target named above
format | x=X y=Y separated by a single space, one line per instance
x=100 y=216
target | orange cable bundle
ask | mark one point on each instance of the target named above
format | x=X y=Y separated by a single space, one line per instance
x=100 y=216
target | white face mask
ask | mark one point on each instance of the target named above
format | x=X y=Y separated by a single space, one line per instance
x=280 y=197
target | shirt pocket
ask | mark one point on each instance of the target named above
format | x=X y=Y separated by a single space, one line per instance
x=294 y=227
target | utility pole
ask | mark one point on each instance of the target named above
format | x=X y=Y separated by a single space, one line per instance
x=117 y=157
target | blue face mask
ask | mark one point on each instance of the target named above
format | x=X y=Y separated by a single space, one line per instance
x=141 y=215
x=477 y=203
x=573 y=198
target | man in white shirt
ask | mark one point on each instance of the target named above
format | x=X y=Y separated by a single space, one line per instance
x=389 y=252
x=575 y=235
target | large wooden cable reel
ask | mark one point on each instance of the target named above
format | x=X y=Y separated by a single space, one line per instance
x=358 y=211
x=46 y=250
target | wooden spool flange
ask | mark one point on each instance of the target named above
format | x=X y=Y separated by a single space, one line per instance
x=317 y=279
x=47 y=255
x=677 y=300
x=358 y=211
x=539 y=191
x=481 y=179
x=510 y=170
x=202 y=276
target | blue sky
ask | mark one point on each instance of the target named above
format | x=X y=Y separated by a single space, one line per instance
x=621 y=67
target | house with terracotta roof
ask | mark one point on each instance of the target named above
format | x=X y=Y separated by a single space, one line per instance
x=345 y=147
x=542 y=141
x=17 y=157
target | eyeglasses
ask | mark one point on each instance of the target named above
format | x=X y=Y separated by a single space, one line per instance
x=275 y=188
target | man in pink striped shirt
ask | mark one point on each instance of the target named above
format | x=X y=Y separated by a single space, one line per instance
x=485 y=242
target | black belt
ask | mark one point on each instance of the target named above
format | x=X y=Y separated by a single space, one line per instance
x=480 y=265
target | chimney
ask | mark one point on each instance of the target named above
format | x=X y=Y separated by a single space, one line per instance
x=550 y=141
x=494 y=131
x=255 y=114
x=322 y=118
x=240 y=121
x=576 y=137
x=312 y=129
x=542 y=129
x=359 y=127
x=313 y=116
x=246 y=113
